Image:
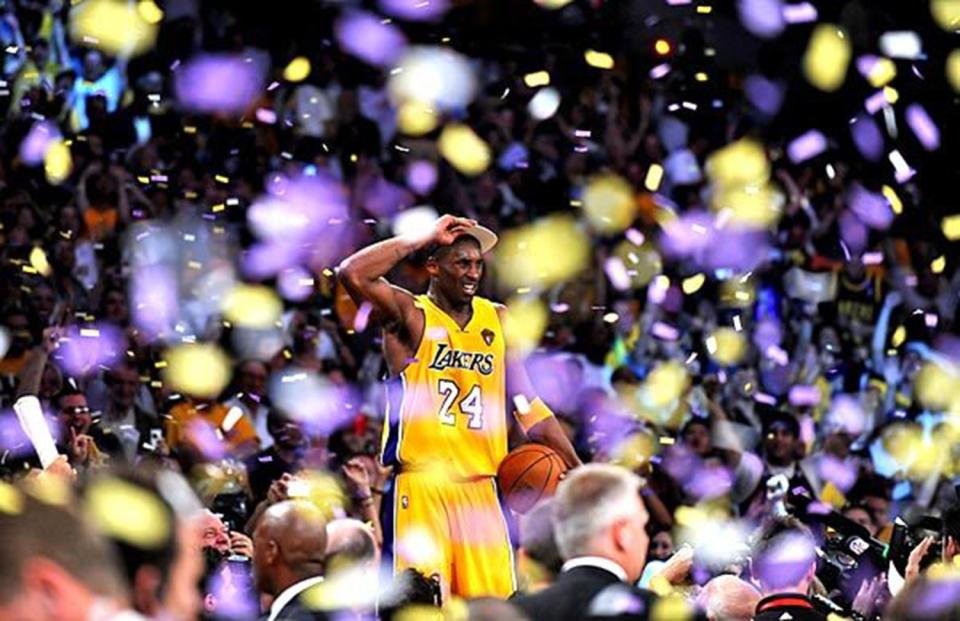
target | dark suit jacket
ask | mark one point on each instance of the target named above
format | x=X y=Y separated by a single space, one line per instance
x=586 y=593
x=296 y=611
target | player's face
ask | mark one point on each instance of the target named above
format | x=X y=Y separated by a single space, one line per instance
x=458 y=272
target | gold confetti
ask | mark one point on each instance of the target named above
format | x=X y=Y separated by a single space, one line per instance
x=882 y=72
x=524 y=324
x=536 y=78
x=899 y=336
x=608 y=203
x=951 y=227
x=827 y=57
x=895 y=203
x=128 y=513
x=465 y=151
x=654 y=177
x=113 y=26
x=252 y=306
x=726 y=346
x=600 y=60
x=297 y=69
x=11 y=500
x=57 y=162
x=200 y=370
x=693 y=284
x=553 y=4
x=531 y=255
x=953 y=70
x=946 y=13
x=415 y=118
x=938 y=265
x=150 y=12
x=38 y=260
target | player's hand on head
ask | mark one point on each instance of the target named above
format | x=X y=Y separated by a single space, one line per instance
x=447 y=228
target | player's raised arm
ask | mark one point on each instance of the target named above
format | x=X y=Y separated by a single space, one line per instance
x=362 y=273
x=535 y=416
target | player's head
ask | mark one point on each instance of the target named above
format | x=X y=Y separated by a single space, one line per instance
x=455 y=270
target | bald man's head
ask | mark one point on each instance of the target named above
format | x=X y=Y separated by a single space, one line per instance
x=289 y=545
x=350 y=544
x=728 y=598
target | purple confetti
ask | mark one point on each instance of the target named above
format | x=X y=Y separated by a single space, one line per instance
x=778 y=355
x=807 y=146
x=421 y=177
x=266 y=116
x=923 y=127
x=867 y=138
x=690 y=233
x=617 y=273
x=853 y=232
x=841 y=473
x=872 y=209
x=154 y=299
x=802 y=396
x=219 y=82
x=846 y=415
x=765 y=95
x=265 y=259
x=664 y=331
x=874 y=103
x=232 y=594
x=362 y=318
x=786 y=561
x=415 y=10
x=295 y=284
x=369 y=38
x=764 y=18
x=767 y=334
x=84 y=350
x=801 y=13
x=38 y=139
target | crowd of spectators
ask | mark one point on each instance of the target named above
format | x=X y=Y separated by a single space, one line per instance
x=843 y=381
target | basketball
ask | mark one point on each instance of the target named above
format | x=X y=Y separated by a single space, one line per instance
x=527 y=474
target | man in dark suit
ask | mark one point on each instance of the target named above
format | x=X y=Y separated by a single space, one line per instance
x=289 y=547
x=600 y=522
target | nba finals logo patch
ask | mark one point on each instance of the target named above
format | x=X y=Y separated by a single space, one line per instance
x=487 y=337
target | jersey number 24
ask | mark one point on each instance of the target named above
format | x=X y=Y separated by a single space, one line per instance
x=471 y=405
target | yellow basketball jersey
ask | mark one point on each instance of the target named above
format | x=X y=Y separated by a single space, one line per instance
x=452 y=412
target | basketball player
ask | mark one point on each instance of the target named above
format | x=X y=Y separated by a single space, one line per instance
x=449 y=433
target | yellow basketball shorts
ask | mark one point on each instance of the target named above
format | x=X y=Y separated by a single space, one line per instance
x=454 y=530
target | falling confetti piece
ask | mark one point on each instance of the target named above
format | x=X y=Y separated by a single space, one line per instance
x=938 y=265
x=553 y=4
x=878 y=71
x=653 y=178
x=600 y=60
x=219 y=82
x=41 y=136
x=150 y=12
x=38 y=259
x=951 y=227
x=128 y=513
x=641 y=261
x=57 y=162
x=923 y=127
x=524 y=324
x=608 y=203
x=807 y=146
x=369 y=38
x=946 y=13
x=903 y=44
x=953 y=70
x=693 y=284
x=537 y=78
x=434 y=75
x=726 y=346
x=764 y=18
x=11 y=499
x=252 y=306
x=531 y=255
x=116 y=27
x=544 y=104
x=297 y=69
x=415 y=10
x=416 y=118
x=465 y=151
x=201 y=370
x=827 y=57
